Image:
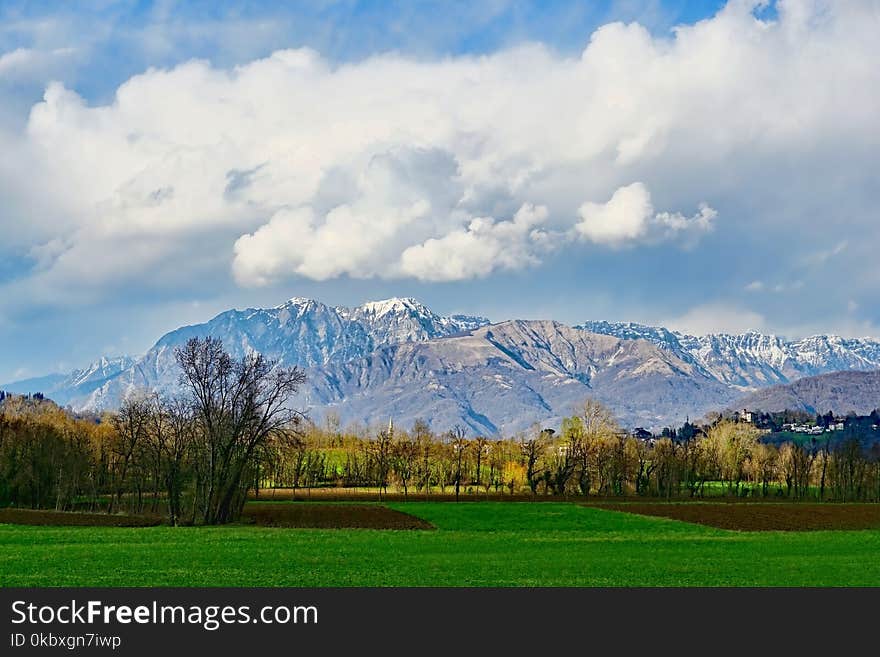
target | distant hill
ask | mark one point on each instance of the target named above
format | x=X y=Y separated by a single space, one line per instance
x=839 y=392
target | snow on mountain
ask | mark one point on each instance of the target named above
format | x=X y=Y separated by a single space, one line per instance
x=502 y=378
x=397 y=358
x=631 y=331
x=754 y=360
x=65 y=388
x=301 y=332
x=406 y=320
x=827 y=353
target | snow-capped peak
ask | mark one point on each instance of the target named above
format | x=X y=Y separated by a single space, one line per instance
x=311 y=334
x=297 y=302
x=394 y=305
x=754 y=359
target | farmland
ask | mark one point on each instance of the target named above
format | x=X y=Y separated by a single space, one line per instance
x=476 y=544
x=762 y=517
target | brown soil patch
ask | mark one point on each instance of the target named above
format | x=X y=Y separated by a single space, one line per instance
x=73 y=519
x=761 y=517
x=330 y=516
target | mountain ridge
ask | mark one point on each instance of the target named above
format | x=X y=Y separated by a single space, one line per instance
x=501 y=378
x=300 y=331
x=753 y=359
x=398 y=357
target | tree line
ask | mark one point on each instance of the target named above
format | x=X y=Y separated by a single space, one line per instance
x=192 y=456
x=198 y=456
x=589 y=456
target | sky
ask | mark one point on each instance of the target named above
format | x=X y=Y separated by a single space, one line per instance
x=706 y=166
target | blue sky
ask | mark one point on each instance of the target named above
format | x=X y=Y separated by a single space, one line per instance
x=705 y=165
x=114 y=40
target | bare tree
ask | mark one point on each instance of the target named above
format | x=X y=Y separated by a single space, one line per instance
x=532 y=451
x=131 y=423
x=177 y=445
x=562 y=466
x=424 y=439
x=382 y=453
x=587 y=437
x=405 y=453
x=597 y=419
x=481 y=448
x=459 y=446
x=239 y=404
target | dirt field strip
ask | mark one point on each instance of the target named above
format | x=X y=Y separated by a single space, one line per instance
x=330 y=516
x=284 y=514
x=74 y=519
x=759 y=517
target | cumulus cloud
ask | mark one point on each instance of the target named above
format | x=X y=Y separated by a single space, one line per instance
x=397 y=167
x=484 y=246
x=358 y=221
x=629 y=216
x=625 y=217
x=383 y=222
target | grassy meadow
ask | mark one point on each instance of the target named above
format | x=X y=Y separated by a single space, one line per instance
x=477 y=544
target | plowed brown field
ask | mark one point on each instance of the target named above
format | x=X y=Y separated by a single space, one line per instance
x=330 y=516
x=66 y=518
x=759 y=517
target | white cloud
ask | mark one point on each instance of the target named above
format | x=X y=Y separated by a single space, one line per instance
x=27 y=64
x=401 y=167
x=484 y=246
x=629 y=216
x=373 y=234
x=359 y=220
x=15 y=59
x=819 y=258
x=778 y=288
x=788 y=286
x=623 y=218
x=674 y=223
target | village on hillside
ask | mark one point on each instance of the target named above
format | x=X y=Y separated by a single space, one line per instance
x=782 y=426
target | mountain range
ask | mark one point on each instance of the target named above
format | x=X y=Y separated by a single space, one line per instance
x=753 y=359
x=398 y=359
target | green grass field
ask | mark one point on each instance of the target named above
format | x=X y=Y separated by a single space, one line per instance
x=476 y=544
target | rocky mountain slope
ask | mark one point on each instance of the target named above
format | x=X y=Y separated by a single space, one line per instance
x=397 y=358
x=502 y=378
x=68 y=388
x=752 y=359
x=838 y=392
x=300 y=332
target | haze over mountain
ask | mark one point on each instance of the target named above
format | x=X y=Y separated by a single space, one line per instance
x=397 y=358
